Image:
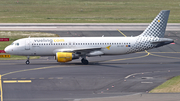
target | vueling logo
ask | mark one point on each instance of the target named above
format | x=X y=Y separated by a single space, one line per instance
x=43 y=40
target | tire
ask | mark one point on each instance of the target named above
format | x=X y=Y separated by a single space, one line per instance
x=84 y=61
x=27 y=62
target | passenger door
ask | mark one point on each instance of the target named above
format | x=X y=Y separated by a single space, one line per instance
x=27 y=47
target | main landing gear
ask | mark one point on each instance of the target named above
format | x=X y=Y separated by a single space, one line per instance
x=27 y=62
x=84 y=61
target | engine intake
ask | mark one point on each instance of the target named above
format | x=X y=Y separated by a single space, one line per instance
x=65 y=56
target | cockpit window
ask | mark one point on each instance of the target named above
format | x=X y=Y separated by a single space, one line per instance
x=17 y=44
x=12 y=44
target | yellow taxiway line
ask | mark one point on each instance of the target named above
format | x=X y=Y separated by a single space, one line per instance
x=1 y=88
x=17 y=81
x=25 y=70
x=121 y=33
x=129 y=58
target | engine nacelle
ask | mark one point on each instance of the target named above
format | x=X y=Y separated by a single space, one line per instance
x=65 y=56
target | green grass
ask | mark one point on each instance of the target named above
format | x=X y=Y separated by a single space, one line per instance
x=14 y=35
x=86 y=11
x=170 y=86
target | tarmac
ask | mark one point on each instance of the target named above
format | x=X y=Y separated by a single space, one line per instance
x=107 y=78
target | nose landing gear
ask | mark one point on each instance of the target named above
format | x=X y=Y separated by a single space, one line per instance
x=27 y=62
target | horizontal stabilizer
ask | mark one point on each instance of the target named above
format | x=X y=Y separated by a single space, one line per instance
x=162 y=41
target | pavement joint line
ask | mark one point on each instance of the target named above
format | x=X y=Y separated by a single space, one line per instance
x=41 y=78
x=146 y=82
x=32 y=78
x=14 y=78
x=50 y=78
x=4 y=78
x=60 y=78
x=23 y=78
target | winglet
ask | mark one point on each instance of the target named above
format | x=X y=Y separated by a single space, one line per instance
x=108 y=47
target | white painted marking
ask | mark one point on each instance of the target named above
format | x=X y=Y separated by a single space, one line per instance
x=77 y=100
x=136 y=74
x=146 y=77
x=146 y=82
x=131 y=75
x=28 y=27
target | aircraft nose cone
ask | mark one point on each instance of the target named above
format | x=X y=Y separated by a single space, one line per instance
x=6 y=50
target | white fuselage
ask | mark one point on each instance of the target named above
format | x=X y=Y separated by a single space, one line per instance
x=46 y=46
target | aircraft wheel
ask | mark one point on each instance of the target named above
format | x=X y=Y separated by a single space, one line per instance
x=27 y=62
x=84 y=61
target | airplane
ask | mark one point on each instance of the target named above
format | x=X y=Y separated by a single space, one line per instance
x=66 y=49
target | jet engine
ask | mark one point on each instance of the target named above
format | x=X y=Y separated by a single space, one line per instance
x=65 y=56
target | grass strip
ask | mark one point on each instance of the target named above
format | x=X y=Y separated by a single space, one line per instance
x=14 y=35
x=86 y=11
x=170 y=86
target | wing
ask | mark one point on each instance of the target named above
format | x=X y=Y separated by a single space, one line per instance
x=86 y=50
x=81 y=50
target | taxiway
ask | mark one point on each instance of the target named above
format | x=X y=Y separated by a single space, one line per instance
x=106 y=76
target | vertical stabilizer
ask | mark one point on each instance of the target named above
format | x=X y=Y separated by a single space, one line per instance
x=158 y=25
